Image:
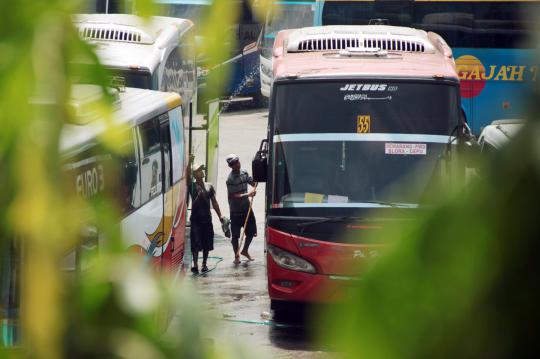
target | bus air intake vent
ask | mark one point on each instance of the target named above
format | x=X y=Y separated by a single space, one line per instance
x=395 y=44
x=328 y=44
x=106 y=32
x=335 y=38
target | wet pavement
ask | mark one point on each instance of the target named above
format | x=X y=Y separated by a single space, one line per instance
x=236 y=294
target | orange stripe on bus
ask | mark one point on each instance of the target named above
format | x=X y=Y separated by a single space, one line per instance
x=173 y=100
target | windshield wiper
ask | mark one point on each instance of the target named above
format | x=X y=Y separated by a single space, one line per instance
x=390 y=204
x=304 y=225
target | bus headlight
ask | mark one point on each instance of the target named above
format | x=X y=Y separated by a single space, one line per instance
x=266 y=70
x=266 y=52
x=288 y=260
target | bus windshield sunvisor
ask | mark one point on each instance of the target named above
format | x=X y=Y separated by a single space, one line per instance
x=367 y=106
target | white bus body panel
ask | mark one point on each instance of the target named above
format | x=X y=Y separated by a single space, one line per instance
x=266 y=76
x=138 y=226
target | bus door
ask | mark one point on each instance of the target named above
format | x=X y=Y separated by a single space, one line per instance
x=179 y=153
x=168 y=200
x=148 y=221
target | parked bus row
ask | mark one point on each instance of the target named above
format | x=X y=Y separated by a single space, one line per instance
x=242 y=67
x=491 y=41
x=241 y=64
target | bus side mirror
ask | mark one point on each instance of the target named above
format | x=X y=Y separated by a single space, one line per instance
x=470 y=145
x=259 y=165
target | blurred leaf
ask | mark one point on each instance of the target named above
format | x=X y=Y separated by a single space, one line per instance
x=460 y=281
x=118 y=305
x=219 y=38
x=144 y=8
x=260 y=8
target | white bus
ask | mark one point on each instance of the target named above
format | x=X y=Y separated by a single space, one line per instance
x=148 y=180
x=156 y=54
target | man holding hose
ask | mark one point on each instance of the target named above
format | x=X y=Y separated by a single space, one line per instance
x=240 y=206
x=203 y=195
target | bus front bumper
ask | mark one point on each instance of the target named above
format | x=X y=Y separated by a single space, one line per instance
x=293 y=286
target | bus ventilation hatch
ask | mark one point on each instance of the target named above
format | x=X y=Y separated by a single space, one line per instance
x=329 y=44
x=112 y=34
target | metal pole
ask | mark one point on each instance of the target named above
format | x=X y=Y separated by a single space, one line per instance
x=190 y=128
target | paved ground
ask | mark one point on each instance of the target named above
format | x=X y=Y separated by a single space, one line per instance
x=237 y=294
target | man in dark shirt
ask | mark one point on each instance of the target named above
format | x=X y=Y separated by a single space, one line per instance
x=239 y=204
x=202 y=231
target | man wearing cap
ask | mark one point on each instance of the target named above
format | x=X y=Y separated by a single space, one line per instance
x=202 y=232
x=239 y=204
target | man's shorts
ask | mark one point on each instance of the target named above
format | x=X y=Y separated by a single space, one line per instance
x=202 y=236
x=237 y=222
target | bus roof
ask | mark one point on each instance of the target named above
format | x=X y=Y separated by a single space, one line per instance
x=129 y=41
x=133 y=106
x=362 y=51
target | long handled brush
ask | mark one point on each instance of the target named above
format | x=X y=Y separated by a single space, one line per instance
x=245 y=224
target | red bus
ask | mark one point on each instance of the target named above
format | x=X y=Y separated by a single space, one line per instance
x=362 y=119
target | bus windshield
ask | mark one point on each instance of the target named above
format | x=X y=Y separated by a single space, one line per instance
x=138 y=79
x=338 y=145
x=125 y=77
x=193 y=11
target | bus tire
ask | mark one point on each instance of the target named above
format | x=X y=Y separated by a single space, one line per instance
x=287 y=311
x=260 y=101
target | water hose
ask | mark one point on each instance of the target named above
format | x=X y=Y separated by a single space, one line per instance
x=219 y=260
x=270 y=323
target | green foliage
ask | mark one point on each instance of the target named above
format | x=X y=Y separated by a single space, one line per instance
x=122 y=309
x=118 y=308
x=217 y=44
x=144 y=8
x=460 y=281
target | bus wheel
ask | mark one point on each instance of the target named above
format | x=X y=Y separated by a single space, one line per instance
x=288 y=311
x=260 y=101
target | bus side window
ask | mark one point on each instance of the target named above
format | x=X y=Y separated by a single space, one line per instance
x=177 y=144
x=189 y=54
x=129 y=190
x=498 y=25
x=172 y=80
x=165 y=134
x=151 y=167
x=179 y=74
x=454 y=21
